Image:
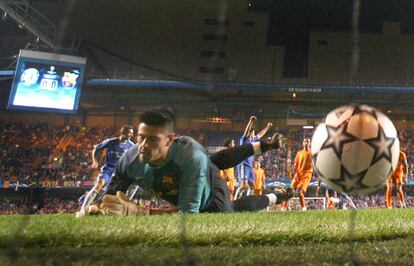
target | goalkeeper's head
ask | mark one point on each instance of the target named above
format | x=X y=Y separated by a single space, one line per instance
x=156 y=133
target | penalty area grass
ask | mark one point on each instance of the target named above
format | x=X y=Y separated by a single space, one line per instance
x=379 y=236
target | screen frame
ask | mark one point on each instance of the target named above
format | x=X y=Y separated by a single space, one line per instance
x=50 y=59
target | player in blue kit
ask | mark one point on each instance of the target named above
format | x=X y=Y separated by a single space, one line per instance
x=178 y=169
x=335 y=199
x=115 y=148
x=246 y=175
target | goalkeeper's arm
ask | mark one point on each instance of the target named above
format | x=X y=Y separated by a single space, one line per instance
x=120 y=205
x=159 y=211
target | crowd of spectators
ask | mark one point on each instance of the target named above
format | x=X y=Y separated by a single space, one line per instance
x=52 y=205
x=36 y=152
x=39 y=152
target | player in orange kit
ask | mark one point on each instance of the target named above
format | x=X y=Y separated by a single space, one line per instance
x=228 y=174
x=259 y=179
x=302 y=173
x=397 y=178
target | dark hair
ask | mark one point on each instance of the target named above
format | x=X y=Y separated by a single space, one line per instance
x=126 y=128
x=228 y=141
x=163 y=118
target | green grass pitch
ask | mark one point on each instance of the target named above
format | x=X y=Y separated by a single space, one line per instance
x=380 y=236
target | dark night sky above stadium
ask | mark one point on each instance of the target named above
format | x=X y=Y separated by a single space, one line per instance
x=290 y=21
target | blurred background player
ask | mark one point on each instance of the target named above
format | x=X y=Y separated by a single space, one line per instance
x=228 y=174
x=336 y=200
x=115 y=148
x=259 y=179
x=246 y=176
x=301 y=173
x=397 y=179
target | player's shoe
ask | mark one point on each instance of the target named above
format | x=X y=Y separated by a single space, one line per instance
x=283 y=194
x=282 y=140
x=276 y=141
x=401 y=205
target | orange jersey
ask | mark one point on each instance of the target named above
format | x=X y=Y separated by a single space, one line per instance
x=303 y=162
x=259 y=178
x=401 y=166
x=228 y=176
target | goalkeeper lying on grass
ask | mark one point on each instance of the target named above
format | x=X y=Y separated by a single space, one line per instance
x=179 y=171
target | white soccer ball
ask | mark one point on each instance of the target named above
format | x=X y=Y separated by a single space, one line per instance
x=355 y=149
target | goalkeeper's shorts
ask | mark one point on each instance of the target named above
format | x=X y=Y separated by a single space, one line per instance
x=220 y=196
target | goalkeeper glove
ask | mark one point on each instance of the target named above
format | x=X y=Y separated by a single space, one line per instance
x=90 y=210
x=120 y=205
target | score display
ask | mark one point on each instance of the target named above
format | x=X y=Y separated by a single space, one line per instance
x=47 y=82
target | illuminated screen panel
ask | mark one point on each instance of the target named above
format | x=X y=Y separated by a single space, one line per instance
x=47 y=82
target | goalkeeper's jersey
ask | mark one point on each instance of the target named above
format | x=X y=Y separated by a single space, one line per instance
x=185 y=179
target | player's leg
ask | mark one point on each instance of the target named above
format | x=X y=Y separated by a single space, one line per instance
x=243 y=183
x=285 y=205
x=231 y=194
x=101 y=180
x=241 y=189
x=257 y=203
x=301 y=195
x=302 y=187
x=220 y=201
x=331 y=198
x=250 y=182
x=231 y=157
x=347 y=199
x=400 y=193
x=388 y=194
x=293 y=185
x=230 y=186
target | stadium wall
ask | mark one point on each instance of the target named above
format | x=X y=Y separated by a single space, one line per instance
x=383 y=58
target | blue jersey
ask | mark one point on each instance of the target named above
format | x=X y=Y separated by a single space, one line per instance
x=185 y=179
x=114 y=150
x=245 y=140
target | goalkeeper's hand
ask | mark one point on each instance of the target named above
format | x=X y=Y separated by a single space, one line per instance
x=120 y=205
x=90 y=210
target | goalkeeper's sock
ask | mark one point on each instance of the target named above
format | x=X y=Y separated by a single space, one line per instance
x=89 y=198
x=272 y=199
